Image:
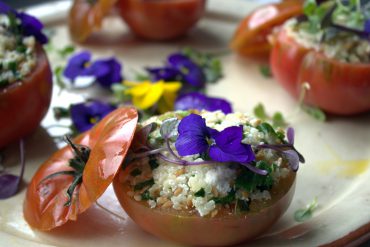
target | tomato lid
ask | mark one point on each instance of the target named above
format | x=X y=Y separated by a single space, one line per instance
x=47 y=204
x=86 y=17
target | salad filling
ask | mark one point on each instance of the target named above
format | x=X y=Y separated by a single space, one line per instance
x=339 y=29
x=17 y=53
x=209 y=164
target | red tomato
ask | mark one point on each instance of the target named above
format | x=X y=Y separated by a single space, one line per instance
x=221 y=230
x=161 y=19
x=336 y=87
x=85 y=17
x=109 y=141
x=250 y=38
x=23 y=104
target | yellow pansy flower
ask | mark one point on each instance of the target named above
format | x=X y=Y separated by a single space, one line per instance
x=146 y=94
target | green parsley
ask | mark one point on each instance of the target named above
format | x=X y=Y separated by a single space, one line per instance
x=200 y=193
x=226 y=199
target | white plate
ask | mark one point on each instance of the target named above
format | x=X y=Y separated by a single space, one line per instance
x=337 y=170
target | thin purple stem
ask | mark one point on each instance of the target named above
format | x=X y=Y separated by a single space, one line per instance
x=147 y=153
x=23 y=160
x=255 y=169
x=170 y=150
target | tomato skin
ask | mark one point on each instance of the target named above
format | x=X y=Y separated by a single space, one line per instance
x=251 y=37
x=161 y=19
x=85 y=18
x=109 y=141
x=336 y=87
x=196 y=230
x=24 y=104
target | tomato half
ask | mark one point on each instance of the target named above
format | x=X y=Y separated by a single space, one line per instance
x=86 y=17
x=251 y=36
x=226 y=229
x=161 y=19
x=44 y=207
x=336 y=87
x=23 y=104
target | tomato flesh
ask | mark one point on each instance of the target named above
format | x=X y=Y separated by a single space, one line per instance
x=186 y=228
x=23 y=104
x=336 y=87
x=161 y=19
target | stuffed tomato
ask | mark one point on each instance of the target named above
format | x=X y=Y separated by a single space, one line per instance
x=208 y=178
x=25 y=75
x=332 y=56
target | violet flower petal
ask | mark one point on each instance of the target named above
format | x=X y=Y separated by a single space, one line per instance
x=199 y=101
x=31 y=26
x=106 y=71
x=9 y=184
x=164 y=73
x=193 y=135
x=86 y=115
x=229 y=148
x=76 y=65
x=191 y=72
x=292 y=158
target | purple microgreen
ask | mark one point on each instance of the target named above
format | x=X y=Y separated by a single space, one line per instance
x=292 y=157
x=290 y=135
x=9 y=184
x=85 y=115
x=255 y=169
x=199 y=101
x=168 y=129
x=140 y=143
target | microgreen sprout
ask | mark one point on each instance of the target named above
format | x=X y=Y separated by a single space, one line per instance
x=306 y=213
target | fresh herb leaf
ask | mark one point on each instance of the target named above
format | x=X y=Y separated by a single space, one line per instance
x=153 y=162
x=268 y=130
x=66 y=51
x=135 y=172
x=250 y=181
x=278 y=120
x=144 y=184
x=226 y=199
x=200 y=193
x=145 y=196
x=306 y=213
x=265 y=71
x=314 y=112
x=58 y=72
x=259 y=111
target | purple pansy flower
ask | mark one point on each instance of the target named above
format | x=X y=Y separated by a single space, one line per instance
x=199 y=101
x=229 y=146
x=30 y=26
x=190 y=71
x=225 y=146
x=105 y=71
x=85 y=115
x=164 y=73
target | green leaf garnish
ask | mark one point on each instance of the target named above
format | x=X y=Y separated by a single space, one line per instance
x=250 y=181
x=58 y=72
x=314 y=112
x=200 y=193
x=259 y=111
x=145 y=196
x=265 y=71
x=226 y=199
x=144 y=184
x=306 y=213
x=277 y=119
x=66 y=51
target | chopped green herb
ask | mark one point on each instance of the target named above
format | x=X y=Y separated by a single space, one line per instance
x=226 y=199
x=61 y=112
x=21 y=48
x=250 y=181
x=200 y=193
x=314 y=112
x=268 y=130
x=65 y=51
x=145 y=196
x=153 y=162
x=135 y=172
x=304 y=214
x=265 y=71
x=12 y=66
x=58 y=71
x=242 y=205
x=144 y=184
